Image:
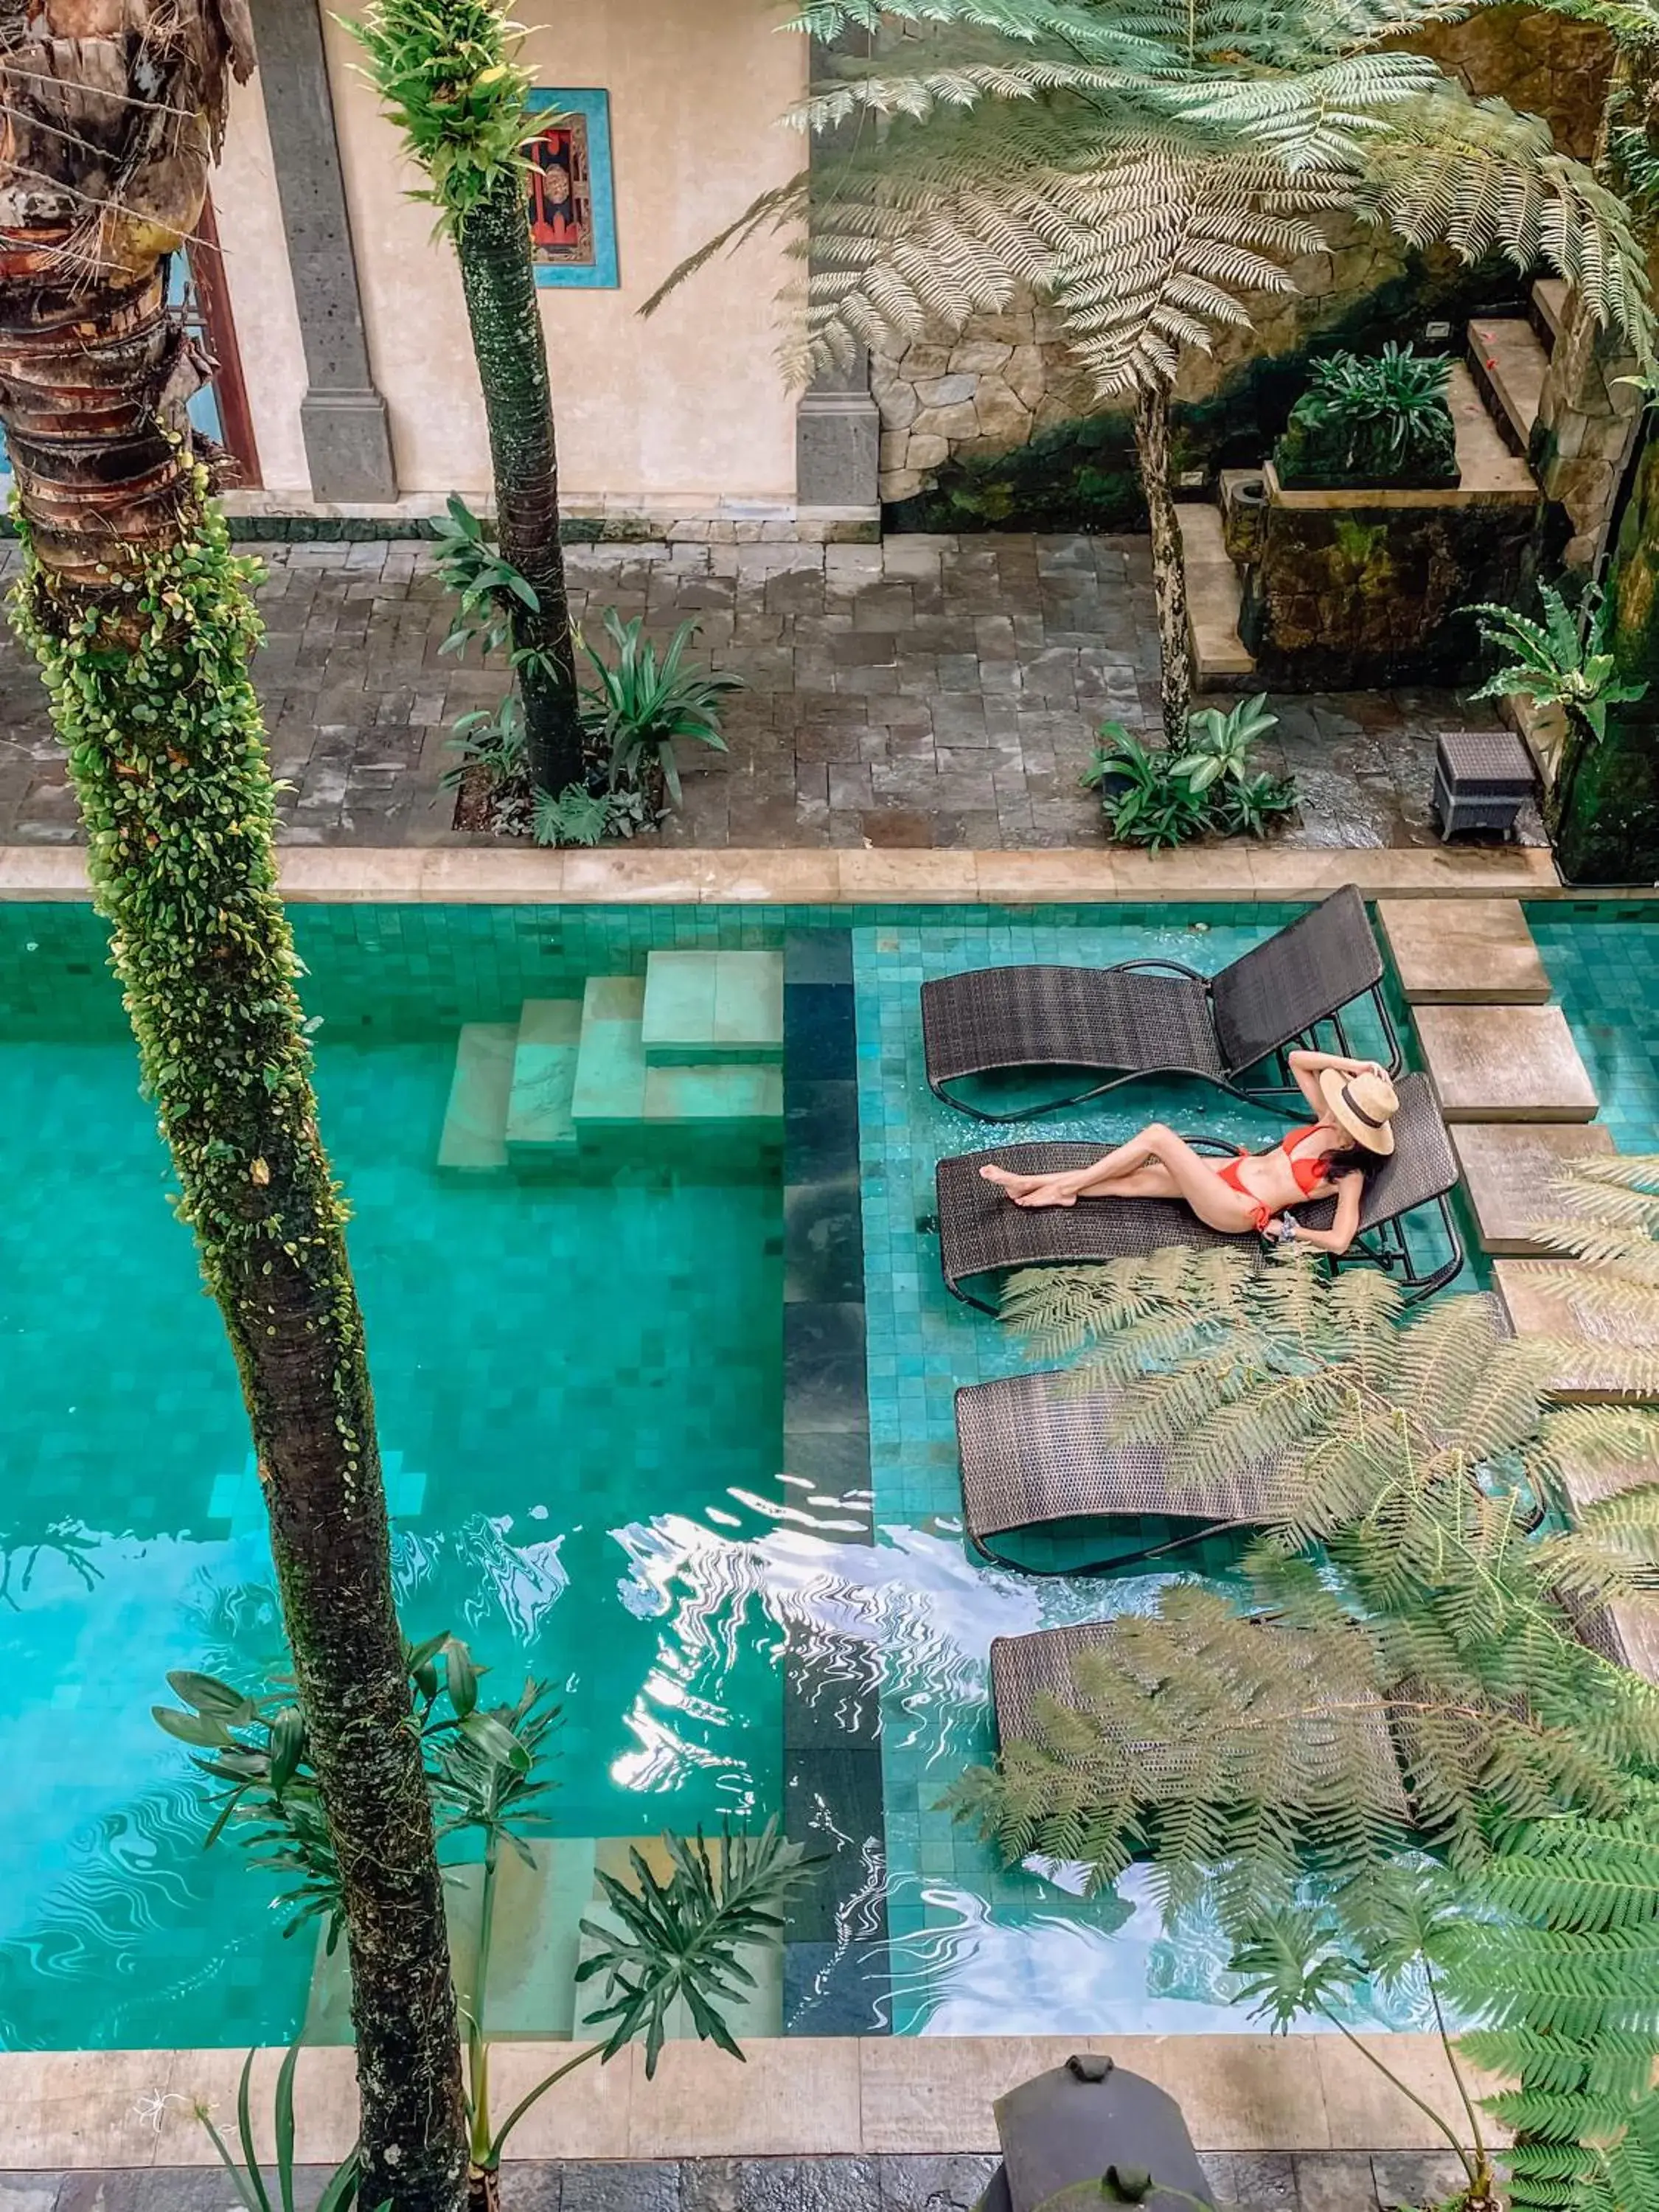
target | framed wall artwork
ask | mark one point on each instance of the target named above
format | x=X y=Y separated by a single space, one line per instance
x=572 y=210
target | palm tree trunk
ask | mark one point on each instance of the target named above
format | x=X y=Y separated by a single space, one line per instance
x=1175 y=653
x=143 y=622
x=499 y=279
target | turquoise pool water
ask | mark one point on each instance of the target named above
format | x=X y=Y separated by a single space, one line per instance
x=583 y=1390
x=1603 y=960
x=558 y=1370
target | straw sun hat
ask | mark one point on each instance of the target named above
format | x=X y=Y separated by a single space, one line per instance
x=1363 y=1105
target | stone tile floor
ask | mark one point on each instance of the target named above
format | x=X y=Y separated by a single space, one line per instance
x=927 y=691
x=1307 y=2181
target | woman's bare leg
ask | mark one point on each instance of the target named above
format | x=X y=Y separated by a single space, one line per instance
x=1070 y=1184
x=1156 y=1164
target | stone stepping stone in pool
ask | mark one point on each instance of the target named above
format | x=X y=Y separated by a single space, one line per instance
x=616 y=1087
x=1464 y=952
x=539 y=1124
x=703 y=1008
x=474 y=1140
x=1629 y=1633
x=1603 y=1360
x=1504 y=1064
x=1509 y=1168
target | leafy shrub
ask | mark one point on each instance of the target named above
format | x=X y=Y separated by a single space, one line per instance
x=1378 y=419
x=1157 y=798
x=641 y=703
x=1563 y=661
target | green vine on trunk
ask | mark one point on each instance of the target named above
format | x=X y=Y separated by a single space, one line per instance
x=151 y=696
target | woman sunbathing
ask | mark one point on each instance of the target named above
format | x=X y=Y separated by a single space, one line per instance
x=1356 y=1104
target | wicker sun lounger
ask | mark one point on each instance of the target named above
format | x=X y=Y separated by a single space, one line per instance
x=981 y=1232
x=1036 y=1449
x=1149 y=1017
x=1023 y=1669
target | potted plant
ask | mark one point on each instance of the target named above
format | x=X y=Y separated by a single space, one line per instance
x=1563 y=661
x=1380 y=422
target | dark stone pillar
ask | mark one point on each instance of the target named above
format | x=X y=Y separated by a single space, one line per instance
x=342 y=417
x=837 y=423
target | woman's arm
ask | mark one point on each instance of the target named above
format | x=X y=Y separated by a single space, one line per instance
x=1341 y=1235
x=1308 y=1066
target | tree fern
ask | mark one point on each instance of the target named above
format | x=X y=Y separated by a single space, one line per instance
x=1559 y=1958
x=1155 y=170
x=1411 y=1605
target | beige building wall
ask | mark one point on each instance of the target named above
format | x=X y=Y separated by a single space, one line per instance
x=682 y=411
x=261 y=288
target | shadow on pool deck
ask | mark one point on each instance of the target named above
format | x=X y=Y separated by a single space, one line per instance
x=927 y=691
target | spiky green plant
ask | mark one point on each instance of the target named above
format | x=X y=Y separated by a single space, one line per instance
x=1565 y=660
x=1154 y=171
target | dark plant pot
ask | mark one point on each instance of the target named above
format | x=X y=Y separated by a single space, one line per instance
x=1112 y=785
x=1244 y=519
x=1313 y=478
x=1607 y=806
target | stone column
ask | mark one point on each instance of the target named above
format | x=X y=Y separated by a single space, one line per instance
x=838 y=422
x=1588 y=421
x=342 y=417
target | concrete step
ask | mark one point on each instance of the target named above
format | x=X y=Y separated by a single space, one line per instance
x=609 y=1088
x=1221 y=662
x=1464 y=952
x=1509 y=1171
x=710 y=1097
x=1509 y=363
x=616 y=1087
x=705 y=1008
x=539 y=1126
x=1504 y=1064
x=1600 y=1359
x=1549 y=306
x=474 y=1141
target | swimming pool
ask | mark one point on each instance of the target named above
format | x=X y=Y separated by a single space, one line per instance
x=671 y=1427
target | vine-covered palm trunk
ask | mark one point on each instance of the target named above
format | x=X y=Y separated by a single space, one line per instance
x=499 y=279
x=143 y=622
x=1175 y=653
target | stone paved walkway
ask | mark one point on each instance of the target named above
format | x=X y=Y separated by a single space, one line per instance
x=928 y=691
x=1306 y=2181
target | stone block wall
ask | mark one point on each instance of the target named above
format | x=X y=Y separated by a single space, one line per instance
x=1010 y=378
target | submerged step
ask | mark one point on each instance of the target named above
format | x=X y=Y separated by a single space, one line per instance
x=610 y=1080
x=711 y=1006
x=474 y=1140
x=713 y=1094
x=538 y=1119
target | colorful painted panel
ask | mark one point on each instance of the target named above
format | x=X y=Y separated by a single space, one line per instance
x=572 y=218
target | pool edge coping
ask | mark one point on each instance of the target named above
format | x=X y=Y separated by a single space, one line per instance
x=524 y=876
x=796 y=2097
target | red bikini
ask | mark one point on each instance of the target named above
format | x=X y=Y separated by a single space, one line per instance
x=1309 y=1174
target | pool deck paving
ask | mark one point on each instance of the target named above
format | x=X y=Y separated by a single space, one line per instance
x=1313 y=2181
x=878 y=2124
x=937 y=693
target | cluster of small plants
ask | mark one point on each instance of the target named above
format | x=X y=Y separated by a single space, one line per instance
x=641 y=703
x=1157 y=797
x=1375 y=419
